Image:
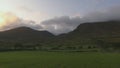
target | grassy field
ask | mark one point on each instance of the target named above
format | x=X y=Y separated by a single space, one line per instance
x=37 y=59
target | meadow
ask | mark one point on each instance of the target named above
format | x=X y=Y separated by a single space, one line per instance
x=38 y=59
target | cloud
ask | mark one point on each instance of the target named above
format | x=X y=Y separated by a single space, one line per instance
x=12 y=21
x=25 y=9
x=103 y=15
x=98 y=1
x=62 y=24
x=66 y=24
x=56 y=25
x=30 y=14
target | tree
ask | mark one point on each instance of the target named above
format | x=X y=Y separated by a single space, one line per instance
x=89 y=47
x=18 y=46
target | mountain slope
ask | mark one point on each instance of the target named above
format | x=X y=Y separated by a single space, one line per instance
x=98 y=29
x=89 y=33
x=25 y=34
x=86 y=37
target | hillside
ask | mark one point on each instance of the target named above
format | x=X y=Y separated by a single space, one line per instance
x=92 y=35
x=25 y=34
x=107 y=31
x=86 y=37
x=98 y=29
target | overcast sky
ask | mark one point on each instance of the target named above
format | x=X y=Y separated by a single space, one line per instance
x=56 y=16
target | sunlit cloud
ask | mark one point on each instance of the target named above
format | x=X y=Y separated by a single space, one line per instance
x=30 y=14
x=62 y=24
x=9 y=21
x=42 y=15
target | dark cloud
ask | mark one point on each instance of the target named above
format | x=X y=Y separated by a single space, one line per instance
x=62 y=24
x=103 y=15
x=65 y=24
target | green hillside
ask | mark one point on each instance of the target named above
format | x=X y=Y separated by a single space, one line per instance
x=92 y=36
x=97 y=36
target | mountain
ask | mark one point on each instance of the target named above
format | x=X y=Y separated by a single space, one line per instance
x=25 y=34
x=98 y=29
x=86 y=37
x=90 y=33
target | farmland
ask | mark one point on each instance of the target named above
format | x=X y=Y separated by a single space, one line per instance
x=39 y=59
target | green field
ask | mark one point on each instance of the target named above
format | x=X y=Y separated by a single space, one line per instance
x=37 y=59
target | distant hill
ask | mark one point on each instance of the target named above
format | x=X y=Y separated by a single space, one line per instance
x=98 y=29
x=96 y=36
x=89 y=33
x=108 y=29
x=25 y=34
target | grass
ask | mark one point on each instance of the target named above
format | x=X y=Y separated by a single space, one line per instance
x=37 y=59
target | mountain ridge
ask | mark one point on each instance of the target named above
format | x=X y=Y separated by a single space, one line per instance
x=95 y=29
x=87 y=36
x=25 y=33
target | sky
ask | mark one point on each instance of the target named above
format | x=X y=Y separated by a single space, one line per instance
x=56 y=16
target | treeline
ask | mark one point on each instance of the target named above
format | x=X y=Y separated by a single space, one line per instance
x=81 y=45
x=108 y=46
x=44 y=47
